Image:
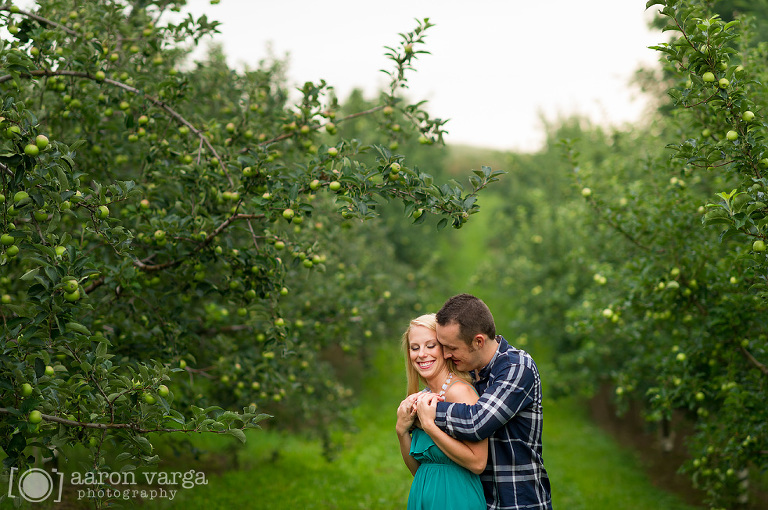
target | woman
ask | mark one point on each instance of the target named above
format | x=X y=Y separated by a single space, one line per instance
x=445 y=469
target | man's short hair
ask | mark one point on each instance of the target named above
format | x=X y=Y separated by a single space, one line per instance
x=470 y=313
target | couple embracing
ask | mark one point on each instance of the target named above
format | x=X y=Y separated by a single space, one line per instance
x=472 y=437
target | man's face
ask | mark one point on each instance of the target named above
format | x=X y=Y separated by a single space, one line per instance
x=455 y=348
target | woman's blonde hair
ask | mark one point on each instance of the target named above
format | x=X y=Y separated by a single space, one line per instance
x=414 y=379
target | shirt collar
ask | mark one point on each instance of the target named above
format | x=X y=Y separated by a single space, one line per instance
x=486 y=370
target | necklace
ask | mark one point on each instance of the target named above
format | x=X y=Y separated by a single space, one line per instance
x=446 y=384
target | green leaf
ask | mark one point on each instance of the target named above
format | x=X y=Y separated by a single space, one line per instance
x=239 y=434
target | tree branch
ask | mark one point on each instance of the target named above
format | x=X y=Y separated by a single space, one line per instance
x=754 y=361
x=42 y=20
x=155 y=101
x=124 y=426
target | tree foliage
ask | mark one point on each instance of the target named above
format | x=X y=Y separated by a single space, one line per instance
x=181 y=245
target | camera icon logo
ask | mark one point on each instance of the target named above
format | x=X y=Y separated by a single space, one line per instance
x=35 y=485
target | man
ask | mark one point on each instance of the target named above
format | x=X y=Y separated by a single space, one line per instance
x=509 y=409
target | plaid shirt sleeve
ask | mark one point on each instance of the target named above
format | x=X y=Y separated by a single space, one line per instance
x=511 y=391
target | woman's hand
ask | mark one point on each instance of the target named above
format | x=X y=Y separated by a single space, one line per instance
x=406 y=414
x=426 y=407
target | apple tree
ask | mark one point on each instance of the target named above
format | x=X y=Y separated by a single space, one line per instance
x=676 y=320
x=182 y=247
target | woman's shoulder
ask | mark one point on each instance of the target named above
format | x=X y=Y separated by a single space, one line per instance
x=462 y=392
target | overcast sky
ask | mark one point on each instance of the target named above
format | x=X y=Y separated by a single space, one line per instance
x=495 y=66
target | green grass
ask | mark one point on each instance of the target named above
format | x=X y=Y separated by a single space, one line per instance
x=589 y=471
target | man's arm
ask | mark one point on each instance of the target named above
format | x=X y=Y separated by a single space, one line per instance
x=512 y=391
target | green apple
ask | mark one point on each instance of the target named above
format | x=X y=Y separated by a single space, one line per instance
x=143 y=119
x=60 y=250
x=100 y=75
x=12 y=251
x=748 y=116
x=148 y=398
x=35 y=417
x=314 y=185
x=49 y=371
x=70 y=285
x=163 y=390
x=723 y=83
x=758 y=245
x=708 y=77
x=103 y=212
x=72 y=296
x=41 y=141
x=585 y=192
x=26 y=389
x=394 y=167
x=159 y=235
x=6 y=299
x=21 y=197
x=334 y=186
x=7 y=239
x=333 y=151
x=12 y=131
x=288 y=214
x=732 y=135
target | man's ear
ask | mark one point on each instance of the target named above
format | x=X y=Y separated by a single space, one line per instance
x=478 y=341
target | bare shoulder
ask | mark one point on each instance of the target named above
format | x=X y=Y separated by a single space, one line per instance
x=461 y=392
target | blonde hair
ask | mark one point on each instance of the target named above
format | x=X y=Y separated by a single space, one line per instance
x=414 y=379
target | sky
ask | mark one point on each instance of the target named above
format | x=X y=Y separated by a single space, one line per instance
x=495 y=67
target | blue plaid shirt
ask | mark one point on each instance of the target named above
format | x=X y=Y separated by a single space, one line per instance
x=509 y=414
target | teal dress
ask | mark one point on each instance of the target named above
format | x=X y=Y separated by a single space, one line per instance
x=440 y=483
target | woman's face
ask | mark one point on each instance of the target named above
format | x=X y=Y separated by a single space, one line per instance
x=425 y=351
